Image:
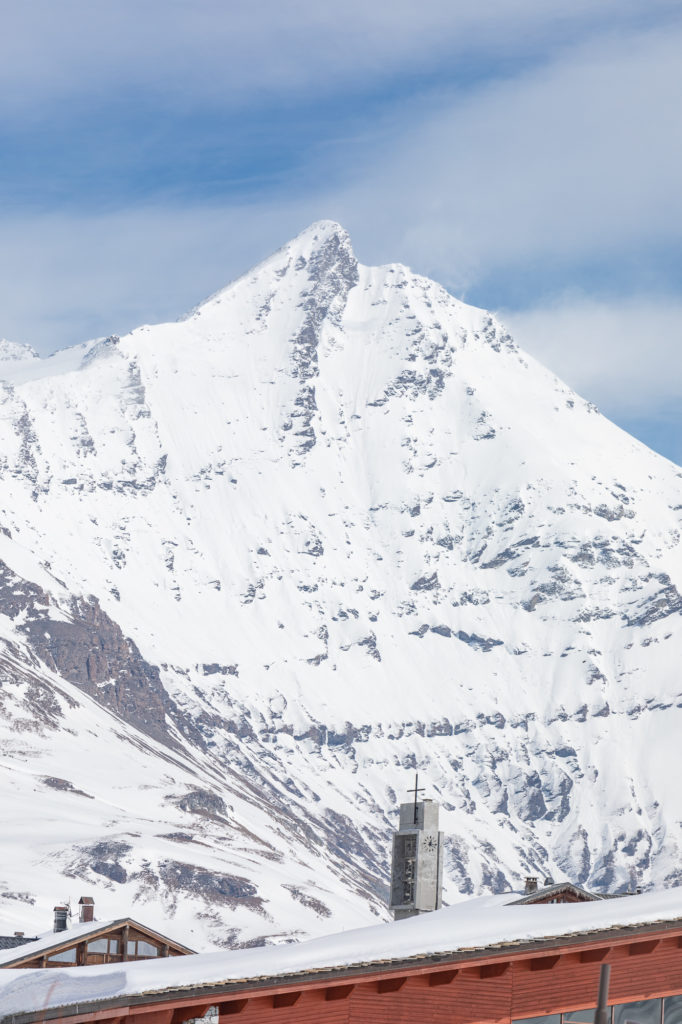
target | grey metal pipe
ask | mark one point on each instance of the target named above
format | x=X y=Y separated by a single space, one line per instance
x=602 y=1014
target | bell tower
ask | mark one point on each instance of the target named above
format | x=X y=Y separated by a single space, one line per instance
x=417 y=866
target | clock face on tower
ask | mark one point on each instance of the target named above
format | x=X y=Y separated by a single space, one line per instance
x=430 y=843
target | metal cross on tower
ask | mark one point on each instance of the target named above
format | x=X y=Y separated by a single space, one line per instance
x=417 y=789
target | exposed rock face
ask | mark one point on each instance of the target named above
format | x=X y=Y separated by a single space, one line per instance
x=92 y=652
x=81 y=643
x=332 y=271
x=202 y=801
x=338 y=529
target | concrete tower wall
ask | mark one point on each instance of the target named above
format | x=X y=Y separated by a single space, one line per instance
x=417 y=862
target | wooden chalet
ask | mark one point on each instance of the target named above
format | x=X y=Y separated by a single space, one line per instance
x=557 y=892
x=485 y=961
x=89 y=942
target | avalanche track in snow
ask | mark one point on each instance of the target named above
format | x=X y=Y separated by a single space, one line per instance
x=259 y=565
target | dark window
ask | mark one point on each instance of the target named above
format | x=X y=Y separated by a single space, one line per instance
x=146 y=949
x=647 y=1011
x=580 y=1016
x=66 y=956
x=672 y=1010
x=409 y=868
x=104 y=946
x=141 y=948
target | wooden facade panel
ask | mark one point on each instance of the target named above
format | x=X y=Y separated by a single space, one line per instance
x=156 y=1017
x=481 y=999
x=573 y=984
x=311 y=1008
x=416 y=1001
x=660 y=973
x=567 y=985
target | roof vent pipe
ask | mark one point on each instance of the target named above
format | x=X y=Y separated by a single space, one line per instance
x=531 y=884
x=61 y=913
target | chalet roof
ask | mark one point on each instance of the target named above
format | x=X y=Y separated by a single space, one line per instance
x=549 y=891
x=471 y=930
x=12 y=941
x=52 y=940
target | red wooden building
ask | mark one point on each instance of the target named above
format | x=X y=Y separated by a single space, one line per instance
x=487 y=961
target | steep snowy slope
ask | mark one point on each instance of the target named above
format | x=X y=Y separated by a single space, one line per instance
x=332 y=527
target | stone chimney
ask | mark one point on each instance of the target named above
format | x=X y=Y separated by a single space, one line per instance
x=86 y=909
x=18 y=935
x=531 y=884
x=61 y=916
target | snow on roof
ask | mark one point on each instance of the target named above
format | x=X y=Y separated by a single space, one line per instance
x=12 y=941
x=51 y=939
x=472 y=926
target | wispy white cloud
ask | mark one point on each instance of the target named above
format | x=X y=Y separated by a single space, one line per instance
x=625 y=353
x=571 y=162
x=66 y=277
x=221 y=53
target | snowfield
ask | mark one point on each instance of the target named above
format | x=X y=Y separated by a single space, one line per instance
x=258 y=566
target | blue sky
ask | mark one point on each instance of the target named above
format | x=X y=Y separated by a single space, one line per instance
x=526 y=155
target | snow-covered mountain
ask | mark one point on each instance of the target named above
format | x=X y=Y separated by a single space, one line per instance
x=258 y=566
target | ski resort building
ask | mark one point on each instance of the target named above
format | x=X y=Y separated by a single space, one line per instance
x=485 y=961
x=88 y=943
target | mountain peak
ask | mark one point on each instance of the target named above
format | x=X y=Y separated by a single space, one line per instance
x=321 y=241
x=320 y=232
x=313 y=247
x=321 y=248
